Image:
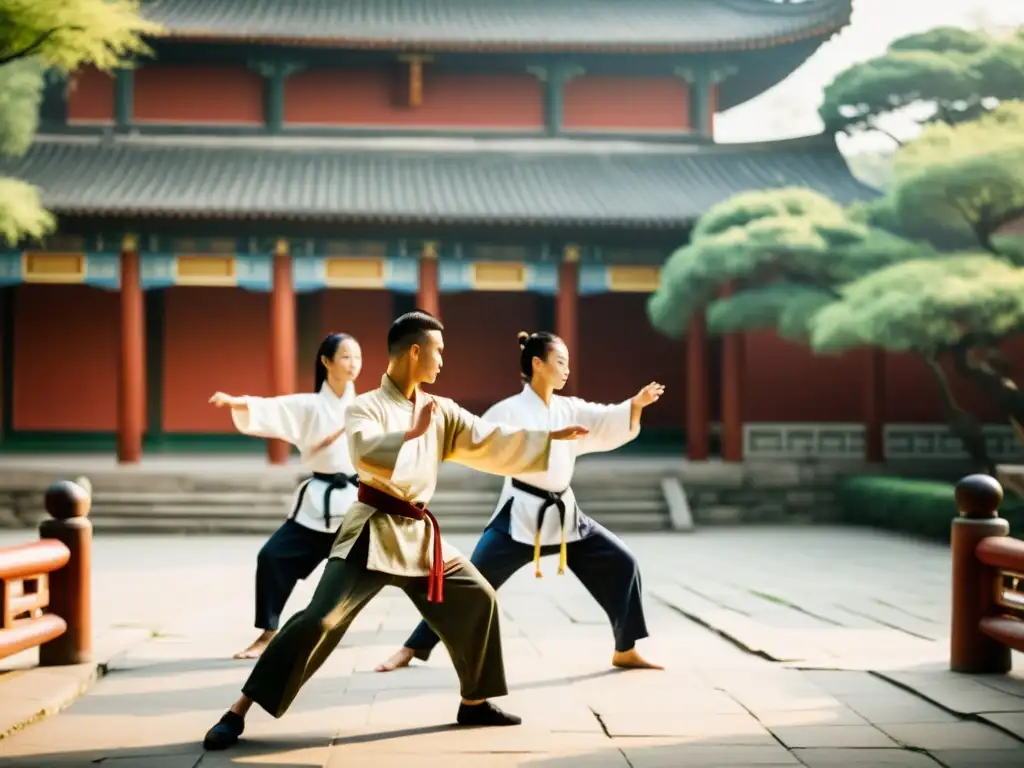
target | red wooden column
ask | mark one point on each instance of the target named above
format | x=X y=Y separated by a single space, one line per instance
x=131 y=396
x=567 y=313
x=697 y=416
x=283 y=338
x=732 y=394
x=732 y=397
x=428 y=295
x=874 y=406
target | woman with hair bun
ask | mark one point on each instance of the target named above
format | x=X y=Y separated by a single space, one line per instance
x=312 y=422
x=537 y=513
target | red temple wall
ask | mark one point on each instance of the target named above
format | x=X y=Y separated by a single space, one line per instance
x=236 y=95
x=198 y=95
x=90 y=96
x=626 y=103
x=214 y=339
x=481 y=356
x=782 y=381
x=912 y=396
x=376 y=97
x=785 y=381
x=52 y=343
x=619 y=352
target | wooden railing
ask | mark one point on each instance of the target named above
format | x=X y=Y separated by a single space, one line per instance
x=988 y=581
x=45 y=587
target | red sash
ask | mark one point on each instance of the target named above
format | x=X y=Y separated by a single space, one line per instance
x=390 y=505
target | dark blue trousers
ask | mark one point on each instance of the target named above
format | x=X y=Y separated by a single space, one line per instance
x=290 y=554
x=600 y=561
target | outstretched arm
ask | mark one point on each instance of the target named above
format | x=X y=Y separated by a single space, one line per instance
x=612 y=426
x=499 y=449
x=287 y=417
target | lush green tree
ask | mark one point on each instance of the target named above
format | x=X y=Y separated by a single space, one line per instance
x=800 y=265
x=903 y=272
x=963 y=182
x=882 y=274
x=959 y=308
x=68 y=33
x=784 y=254
x=947 y=75
x=21 y=212
x=62 y=35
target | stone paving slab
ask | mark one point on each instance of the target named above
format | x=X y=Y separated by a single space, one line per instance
x=870 y=758
x=716 y=705
x=29 y=693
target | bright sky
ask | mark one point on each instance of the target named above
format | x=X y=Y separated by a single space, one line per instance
x=790 y=109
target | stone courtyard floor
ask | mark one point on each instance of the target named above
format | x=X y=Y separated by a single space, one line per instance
x=785 y=647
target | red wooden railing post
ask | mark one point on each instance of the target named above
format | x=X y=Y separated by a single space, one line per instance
x=70 y=587
x=974 y=583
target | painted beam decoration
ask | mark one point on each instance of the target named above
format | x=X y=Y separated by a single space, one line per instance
x=617 y=278
x=250 y=272
x=316 y=273
x=100 y=270
x=319 y=265
x=209 y=263
x=355 y=265
x=533 y=277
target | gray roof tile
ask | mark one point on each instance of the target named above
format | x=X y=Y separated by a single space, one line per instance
x=452 y=181
x=675 y=25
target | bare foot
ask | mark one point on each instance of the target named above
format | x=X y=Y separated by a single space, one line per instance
x=632 y=660
x=255 y=650
x=401 y=658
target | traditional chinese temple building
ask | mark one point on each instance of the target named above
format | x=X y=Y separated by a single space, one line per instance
x=278 y=170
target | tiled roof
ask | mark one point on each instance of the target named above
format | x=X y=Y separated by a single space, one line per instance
x=667 y=25
x=534 y=181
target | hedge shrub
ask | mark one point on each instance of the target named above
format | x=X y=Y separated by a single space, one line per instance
x=919 y=507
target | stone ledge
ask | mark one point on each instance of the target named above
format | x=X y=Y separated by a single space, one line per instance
x=30 y=693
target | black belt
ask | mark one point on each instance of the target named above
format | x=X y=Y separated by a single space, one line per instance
x=335 y=481
x=550 y=499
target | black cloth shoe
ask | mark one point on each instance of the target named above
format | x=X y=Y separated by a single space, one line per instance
x=485 y=714
x=225 y=733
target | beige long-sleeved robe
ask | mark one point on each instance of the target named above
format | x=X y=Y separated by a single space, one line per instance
x=376 y=424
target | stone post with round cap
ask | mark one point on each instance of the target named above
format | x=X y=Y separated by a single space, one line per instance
x=68 y=505
x=970 y=650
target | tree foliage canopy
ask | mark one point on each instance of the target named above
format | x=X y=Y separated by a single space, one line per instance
x=62 y=35
x=954 y=75
x=924 y=306
x=962 y=183
x=66 y=34
x=21 y=87
x=783 y=252
x=925 y=269
x=22 y=214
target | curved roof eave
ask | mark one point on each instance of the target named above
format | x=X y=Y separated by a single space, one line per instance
x=650 y=26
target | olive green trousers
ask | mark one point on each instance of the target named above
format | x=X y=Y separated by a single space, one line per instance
x=466 y=622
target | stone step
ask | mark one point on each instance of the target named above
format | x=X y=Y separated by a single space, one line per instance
x=186 y=508
x=102 y=499
x=452 y=523
x=477 y=482
x=259 y=502
x=236 y=496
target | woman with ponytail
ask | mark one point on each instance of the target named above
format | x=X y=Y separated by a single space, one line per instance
x=537 y=515
x=313 y=423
